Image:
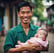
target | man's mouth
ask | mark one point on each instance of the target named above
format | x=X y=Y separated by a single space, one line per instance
x=25 y=19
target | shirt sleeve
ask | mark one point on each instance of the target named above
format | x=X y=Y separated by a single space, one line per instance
x=8 y=42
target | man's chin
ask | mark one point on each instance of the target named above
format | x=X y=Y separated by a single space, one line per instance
x=26 y=22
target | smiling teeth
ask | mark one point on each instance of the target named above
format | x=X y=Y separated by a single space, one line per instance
x=25 y=18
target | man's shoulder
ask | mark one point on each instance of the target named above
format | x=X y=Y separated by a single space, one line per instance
x=35 y=26
x=14 y=29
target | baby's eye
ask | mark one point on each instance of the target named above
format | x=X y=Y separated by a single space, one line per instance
x=40 y=34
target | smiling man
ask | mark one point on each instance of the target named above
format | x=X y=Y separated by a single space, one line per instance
x=25 y=14
x=22 y=32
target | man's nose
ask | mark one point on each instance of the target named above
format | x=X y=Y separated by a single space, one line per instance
x=25 y=14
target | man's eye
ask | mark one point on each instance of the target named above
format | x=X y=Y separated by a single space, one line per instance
x=28 y=12
x=22 y=12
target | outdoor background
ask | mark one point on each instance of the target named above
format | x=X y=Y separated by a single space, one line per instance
x=43 y=16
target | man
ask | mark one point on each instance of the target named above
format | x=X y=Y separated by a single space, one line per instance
x=22 y=32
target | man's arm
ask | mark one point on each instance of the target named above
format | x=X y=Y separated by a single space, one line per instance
x=37 y=47
x=13 y=50
x=42 y=48
x=28 y=47
x=9 y=43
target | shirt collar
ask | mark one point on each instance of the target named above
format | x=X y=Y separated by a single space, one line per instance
x=20 y=28
x=32 y=27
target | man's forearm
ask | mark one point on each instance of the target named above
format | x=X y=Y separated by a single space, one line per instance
x=19 y=49
x=14 y=50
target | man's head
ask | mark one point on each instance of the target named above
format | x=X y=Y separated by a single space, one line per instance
x=24 y=12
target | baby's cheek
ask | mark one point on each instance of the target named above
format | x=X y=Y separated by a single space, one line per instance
x=36 y=35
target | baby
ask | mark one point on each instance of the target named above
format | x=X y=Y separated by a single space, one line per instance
x=39 y=39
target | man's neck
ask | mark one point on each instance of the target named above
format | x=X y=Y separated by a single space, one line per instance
x=25 y=26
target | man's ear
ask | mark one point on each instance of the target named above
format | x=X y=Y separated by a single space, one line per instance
x=17 y=13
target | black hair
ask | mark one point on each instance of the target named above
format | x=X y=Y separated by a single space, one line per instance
x=22 y=4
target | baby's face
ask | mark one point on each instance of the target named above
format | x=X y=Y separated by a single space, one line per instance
x=42 y=34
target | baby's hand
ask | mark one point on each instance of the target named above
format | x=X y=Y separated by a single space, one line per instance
x=19 y=43
x=17 y=46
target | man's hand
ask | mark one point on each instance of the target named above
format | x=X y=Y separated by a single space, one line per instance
x=41 y=48
x=34 y=47
x=38 y=48
x=31 y=46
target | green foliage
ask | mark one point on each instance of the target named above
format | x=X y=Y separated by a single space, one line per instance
x=49 y=0
x=43 y=19
x=38 y=8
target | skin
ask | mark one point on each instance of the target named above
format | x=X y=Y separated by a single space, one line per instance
x=42 y=35
x=25 y=14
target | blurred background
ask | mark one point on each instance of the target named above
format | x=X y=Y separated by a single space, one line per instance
x=43 y=16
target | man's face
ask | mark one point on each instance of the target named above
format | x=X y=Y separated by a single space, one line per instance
x=25 y=14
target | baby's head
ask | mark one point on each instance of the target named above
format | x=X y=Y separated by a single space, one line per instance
x=42 y=33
